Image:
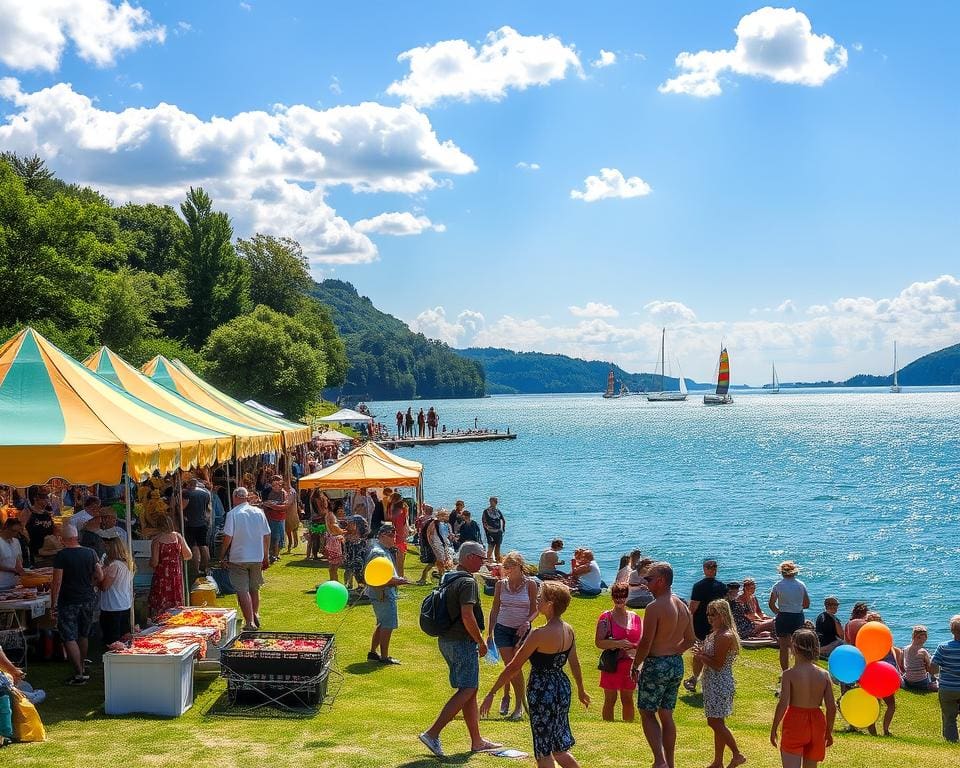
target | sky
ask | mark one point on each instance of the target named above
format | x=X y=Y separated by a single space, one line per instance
x=562 y=177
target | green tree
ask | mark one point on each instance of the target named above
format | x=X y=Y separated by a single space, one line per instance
x=315 y=315
x=217 y=281
x=151 y=233
x=269 y=356
x=37 y=179
x=279 y=272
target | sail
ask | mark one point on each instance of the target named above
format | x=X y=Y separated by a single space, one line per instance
x=895 y=382
x=683 y=384
x=610 y=383
x=723 y=376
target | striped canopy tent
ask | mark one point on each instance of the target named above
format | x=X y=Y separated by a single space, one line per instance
x=59 y=419
x=248 y=441
x=177 y=376
x=360 y=469
x=384 y=455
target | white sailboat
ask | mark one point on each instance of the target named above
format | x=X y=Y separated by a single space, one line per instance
x=895 y=387
x=774 y=381
x=667 y=397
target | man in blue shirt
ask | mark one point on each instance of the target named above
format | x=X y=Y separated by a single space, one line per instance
x=947 y=661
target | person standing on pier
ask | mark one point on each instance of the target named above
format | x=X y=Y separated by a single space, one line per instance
x=399 y=424
x=494 y=525
x=421 y=424
x=409 y=422
x=433 y=418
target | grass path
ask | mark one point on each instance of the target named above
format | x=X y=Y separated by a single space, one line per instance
x=379 y=710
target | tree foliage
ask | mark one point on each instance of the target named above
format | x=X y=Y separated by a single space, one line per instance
x=279 y=272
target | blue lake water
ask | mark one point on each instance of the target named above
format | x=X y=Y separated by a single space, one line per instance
x=861 y=488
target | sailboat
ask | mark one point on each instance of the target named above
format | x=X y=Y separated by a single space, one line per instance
x=722 y=396
x=895 y=387
x=611 y=383
x=661 y=396
x=774 y=381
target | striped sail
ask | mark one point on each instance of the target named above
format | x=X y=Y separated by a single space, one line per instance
x=723 y=376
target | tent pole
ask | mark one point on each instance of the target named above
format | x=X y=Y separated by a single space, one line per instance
x=129 y=521
x=178 y=491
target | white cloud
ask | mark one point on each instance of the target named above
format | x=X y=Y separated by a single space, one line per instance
x=773 y=43
x=433 y=324
x=269 y=170
x=525 y=166
x=246 y=6
x=183 y=27
x=605 y=59
x=399 y=224
x=34 y=34
x=454 y=69
x=668 y=312
x=594 y=309
x=787 y=307
x=858 y=47
x=335 y=85
x=137 y=86
x=610 y=183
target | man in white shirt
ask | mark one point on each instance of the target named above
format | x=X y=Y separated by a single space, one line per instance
x=246 y=548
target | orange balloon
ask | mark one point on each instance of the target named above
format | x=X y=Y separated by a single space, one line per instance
x=874 y=640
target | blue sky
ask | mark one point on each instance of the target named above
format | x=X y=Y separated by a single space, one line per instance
x=788 y=186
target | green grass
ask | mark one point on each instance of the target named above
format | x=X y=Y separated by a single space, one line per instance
x=380 y=710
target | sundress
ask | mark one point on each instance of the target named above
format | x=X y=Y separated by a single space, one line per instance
x=166 y=589
x=621 y=680
x=548 y=700
x=718 y=685
x=355 y=557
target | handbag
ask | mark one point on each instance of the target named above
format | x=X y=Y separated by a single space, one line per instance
x=611 y=656
x=221 y=575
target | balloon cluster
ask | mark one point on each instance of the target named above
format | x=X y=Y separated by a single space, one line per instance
x=861 y=664
x=332 y=596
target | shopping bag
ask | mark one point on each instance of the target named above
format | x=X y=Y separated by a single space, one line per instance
x=26 y=720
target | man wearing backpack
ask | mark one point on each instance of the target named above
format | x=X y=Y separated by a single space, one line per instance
x=461 y=643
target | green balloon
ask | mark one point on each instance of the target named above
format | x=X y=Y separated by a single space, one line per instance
x=332 y=597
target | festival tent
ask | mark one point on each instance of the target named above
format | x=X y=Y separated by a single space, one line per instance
x=263 y=408
x=247 y=441
x=331 y=436
x=384 y=455
x=346 y=416
x=60 y=419
x=361 y=470
x=178 y=377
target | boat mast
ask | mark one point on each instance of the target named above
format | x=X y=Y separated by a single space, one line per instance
x=663 y=359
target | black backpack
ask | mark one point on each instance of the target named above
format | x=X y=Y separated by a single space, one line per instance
x=435 y=618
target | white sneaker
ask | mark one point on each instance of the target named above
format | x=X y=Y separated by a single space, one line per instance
x=432 y=744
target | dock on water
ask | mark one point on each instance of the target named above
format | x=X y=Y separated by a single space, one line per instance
x=444 y=439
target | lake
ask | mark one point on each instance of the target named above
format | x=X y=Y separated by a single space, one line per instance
x=860 y=487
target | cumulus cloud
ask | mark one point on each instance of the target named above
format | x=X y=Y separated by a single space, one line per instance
x=34 y=34
x=610 y=183
x=670 y=312
x=787 y=307
x=270 y=170
x=605 y=59
x=774 y=43
x=525 y=166
x=594 y=309
x=456 y=70
x=434 y=324
x=398 y=224
x=334 y=86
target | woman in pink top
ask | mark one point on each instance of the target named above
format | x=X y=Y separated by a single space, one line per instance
x=619 y=629
x=400 y=516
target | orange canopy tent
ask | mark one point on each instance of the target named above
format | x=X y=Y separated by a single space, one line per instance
x=360 y=469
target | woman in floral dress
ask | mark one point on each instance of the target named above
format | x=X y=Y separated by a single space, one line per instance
x=719 y=650
x=168 y=550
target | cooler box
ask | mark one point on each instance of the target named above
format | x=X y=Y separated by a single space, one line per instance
x=229 y=614
x=151 y=684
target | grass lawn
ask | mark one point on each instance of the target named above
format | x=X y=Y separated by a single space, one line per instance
x=380 y=710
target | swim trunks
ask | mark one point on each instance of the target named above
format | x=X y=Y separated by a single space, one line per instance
x=804 y=733
x=660 y=678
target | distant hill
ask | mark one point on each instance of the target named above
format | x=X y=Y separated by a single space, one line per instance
x=510 y=372
x=388 y=361
x=937 y=369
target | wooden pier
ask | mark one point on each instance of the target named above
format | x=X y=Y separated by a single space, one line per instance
x=449 y=437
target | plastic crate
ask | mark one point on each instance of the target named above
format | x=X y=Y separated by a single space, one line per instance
x=264 y=663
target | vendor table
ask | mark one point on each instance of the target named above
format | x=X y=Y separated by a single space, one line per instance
x=15 y=616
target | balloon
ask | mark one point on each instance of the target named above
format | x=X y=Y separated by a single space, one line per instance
x=332 y=597
x=880 y=679
x=378 y=572
x=846 y=663
x=874 y=640
x=859 y=708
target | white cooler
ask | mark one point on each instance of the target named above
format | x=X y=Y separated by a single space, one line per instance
x=152 y=684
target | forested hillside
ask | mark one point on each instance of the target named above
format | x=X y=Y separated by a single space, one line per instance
x=388 y=361
x=937 y=369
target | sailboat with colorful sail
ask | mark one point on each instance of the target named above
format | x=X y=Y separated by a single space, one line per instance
x=611 y=385
x=722 y=395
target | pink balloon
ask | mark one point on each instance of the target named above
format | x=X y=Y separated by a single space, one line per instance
x=880 y=679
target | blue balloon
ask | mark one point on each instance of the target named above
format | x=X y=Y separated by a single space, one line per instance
x=847 y=663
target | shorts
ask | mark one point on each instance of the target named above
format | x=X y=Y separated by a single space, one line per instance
x=246 y=577
x=385 y=610
x=659 y=682
x=919 y=685
x=804 y=733
x=75 y=621
x=506 y=637
x=788 y=623
x=494 y=539
x=462 y=660
x=196 y=535
x=278 y=532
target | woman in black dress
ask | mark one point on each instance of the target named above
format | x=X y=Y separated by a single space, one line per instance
x=548 y=648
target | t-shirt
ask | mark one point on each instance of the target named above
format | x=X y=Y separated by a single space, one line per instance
x=549 y=559
x=947 y=657
x=79 y=564
x=380 y=593
x=9 y=553
x=276 y=497
x=92 y=540
x=462 y=592
x=915 y=661
x=195 y=510
x=591 y=579
x=827 y=628
x=493 y=520
x=247 y=525
x=119 y=595
x=469 y=531
x=790 y=594
x=704 y=591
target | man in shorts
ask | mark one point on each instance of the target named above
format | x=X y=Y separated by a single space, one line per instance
x=196 y=523
x=495 y=526
x=704 y=592
x=667 y=634
x=461 y=646
x=384 y=598
x=246 y=547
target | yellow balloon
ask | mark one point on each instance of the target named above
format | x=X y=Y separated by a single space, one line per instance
x=859 y=708
x=378 y=572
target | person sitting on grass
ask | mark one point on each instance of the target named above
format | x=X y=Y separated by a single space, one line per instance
x=828 y=627
x=807 y=731
x=746 y=629
x=587 y=574
x=916 y=663
x=549 y=560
